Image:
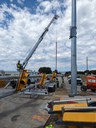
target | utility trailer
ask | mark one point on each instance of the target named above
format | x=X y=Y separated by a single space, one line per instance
x=44 y=86
x=52 y=83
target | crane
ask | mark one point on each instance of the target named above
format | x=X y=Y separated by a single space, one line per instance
x=22 y=81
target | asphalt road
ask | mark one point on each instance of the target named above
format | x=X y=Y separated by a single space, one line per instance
x=21 y=111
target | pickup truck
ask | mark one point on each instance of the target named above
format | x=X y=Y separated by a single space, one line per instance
x=79 y=81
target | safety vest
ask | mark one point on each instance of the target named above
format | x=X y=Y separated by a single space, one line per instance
x=18 y=65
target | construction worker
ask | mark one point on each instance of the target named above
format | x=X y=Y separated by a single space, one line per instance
x=28 y=83
x=49 y=126
x=19 y=66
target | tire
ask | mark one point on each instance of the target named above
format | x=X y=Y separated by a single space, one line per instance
x=51 y=89
x=83 y=88
x=92 y=103
x=69 y=81
x=93 y=90
x=57 y=84
x=81 y=84
x=13 y=84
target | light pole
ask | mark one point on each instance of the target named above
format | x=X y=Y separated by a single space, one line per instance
x=56 y=56
x=73 y=51
x=87 y=63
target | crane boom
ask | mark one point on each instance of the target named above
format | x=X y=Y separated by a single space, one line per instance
x=38 y=42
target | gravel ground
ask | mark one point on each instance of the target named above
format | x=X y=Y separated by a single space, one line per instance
x=21 y=111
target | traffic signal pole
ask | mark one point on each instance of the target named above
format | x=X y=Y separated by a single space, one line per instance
x=73 y=51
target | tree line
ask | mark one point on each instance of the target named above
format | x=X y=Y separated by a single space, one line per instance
x=88 y=72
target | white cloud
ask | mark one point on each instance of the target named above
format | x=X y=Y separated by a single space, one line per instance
x=11 y=0
x=86 y=30
x=21 y=1
x=46 y=5
x=25 y=29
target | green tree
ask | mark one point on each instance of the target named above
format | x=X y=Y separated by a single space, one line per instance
x=46 y=70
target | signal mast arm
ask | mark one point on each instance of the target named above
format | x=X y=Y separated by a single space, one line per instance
x=38 y=42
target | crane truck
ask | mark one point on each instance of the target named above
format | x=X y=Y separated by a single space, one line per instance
x=23 y=76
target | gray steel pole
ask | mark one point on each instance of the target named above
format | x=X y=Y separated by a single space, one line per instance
x=87 y=63
x=56 y=56
x=73 y=51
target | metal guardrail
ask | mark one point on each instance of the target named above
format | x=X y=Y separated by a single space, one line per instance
x=31 y=76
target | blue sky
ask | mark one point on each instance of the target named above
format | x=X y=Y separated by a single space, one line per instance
x=23 y=21
x=20 y=3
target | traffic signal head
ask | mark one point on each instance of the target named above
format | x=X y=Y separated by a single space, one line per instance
x=22 y=82
x=42 y=81
x=53 y=75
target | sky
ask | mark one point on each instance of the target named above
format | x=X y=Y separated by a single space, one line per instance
x=23 y=21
